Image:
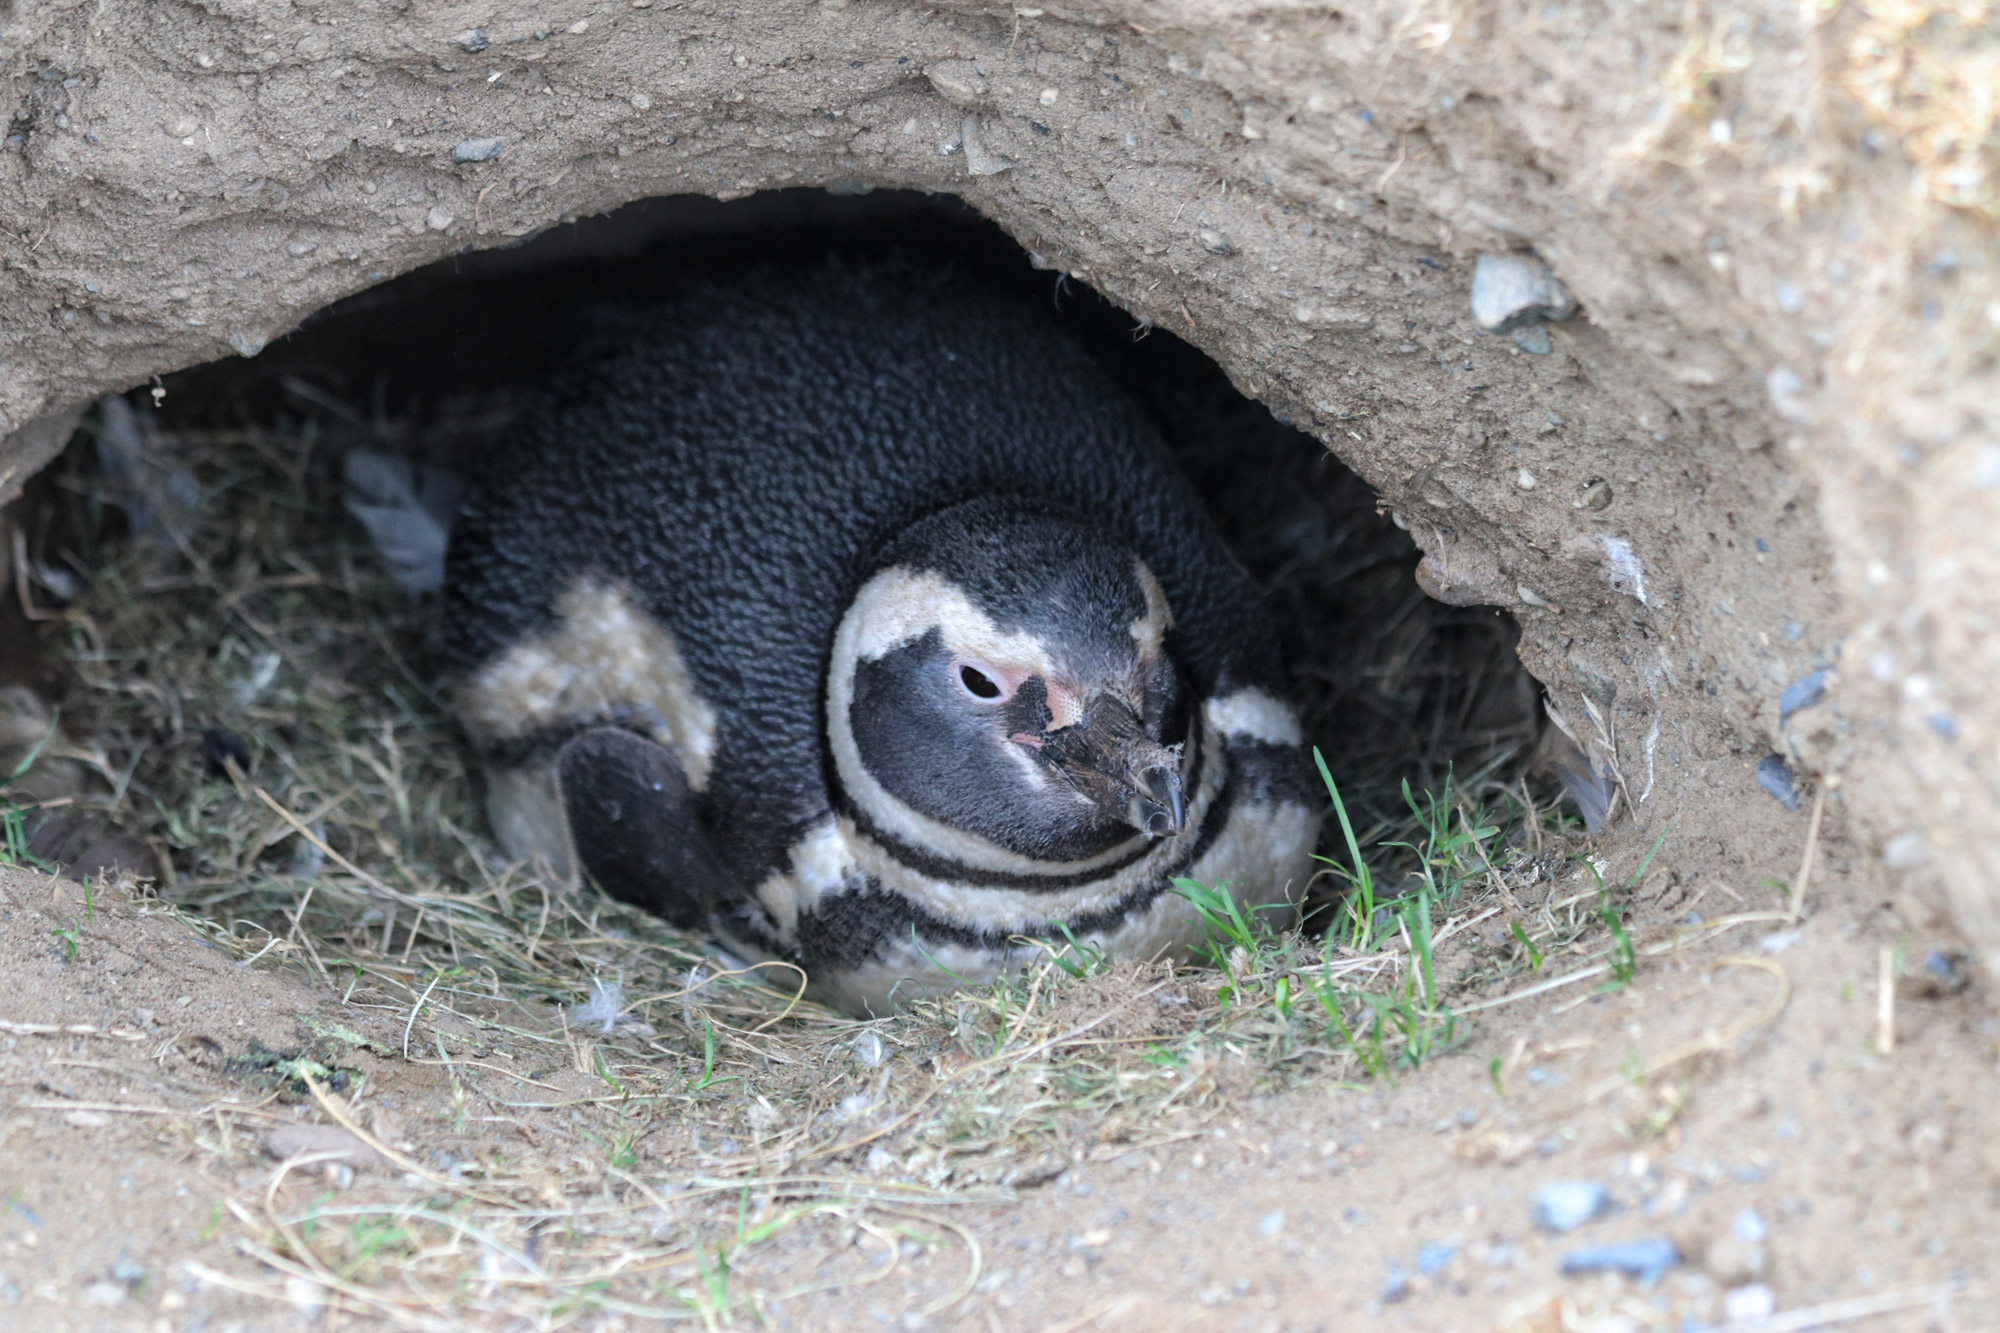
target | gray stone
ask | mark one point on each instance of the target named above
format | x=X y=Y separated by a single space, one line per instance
x=323 y=1143
x=478 y=150
x=1565 y=1205
x=980 y=157
x=1756 y=1301
x=1907 y=851
x=1534 y=340
x=1787 y=391
x=1513 y=290
x=1434 y=1258
x=1804 y=692
x=1774 y=775
x=1643 y=1259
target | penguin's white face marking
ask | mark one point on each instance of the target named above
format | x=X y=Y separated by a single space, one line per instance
x=603 y=656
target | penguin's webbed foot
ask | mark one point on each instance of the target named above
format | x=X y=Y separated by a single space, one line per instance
x=633 y=824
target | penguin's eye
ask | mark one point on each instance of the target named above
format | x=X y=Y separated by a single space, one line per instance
x=977 y=683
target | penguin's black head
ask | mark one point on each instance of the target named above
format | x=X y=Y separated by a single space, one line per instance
x=1001 y=689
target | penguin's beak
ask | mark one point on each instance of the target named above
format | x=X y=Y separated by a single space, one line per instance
x=1110 y=761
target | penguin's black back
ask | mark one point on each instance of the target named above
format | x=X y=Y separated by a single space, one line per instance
x=738 y=456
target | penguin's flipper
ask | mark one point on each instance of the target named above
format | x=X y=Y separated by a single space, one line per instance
x=632 y=822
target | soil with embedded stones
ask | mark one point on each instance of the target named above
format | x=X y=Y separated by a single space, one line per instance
x=1732 y=1102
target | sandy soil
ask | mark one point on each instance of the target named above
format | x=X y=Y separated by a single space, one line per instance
x=1733 y=1101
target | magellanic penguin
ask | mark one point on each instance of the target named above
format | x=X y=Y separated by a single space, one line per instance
x=849 y=612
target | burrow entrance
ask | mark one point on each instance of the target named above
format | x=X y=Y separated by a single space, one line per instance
x=240 y=703
x=199 y=594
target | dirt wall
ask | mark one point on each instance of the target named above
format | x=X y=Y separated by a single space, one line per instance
x=1763 y=448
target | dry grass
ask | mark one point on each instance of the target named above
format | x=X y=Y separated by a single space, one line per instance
x=591 y=1114
x=1930 y=72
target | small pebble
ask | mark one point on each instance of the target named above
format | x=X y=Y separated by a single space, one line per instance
x=1395 y=1287
x=1643 y=1259
x=473 y=40
x=1787 y=392
x=1432 y=1259
x=1752 y=1302
x=1948 y=969
x=980 y=160
x=1774 y=775
x=303 y=1294
x=104 y=1293
x=1534 y=340
x=324 y=1143
x=1748 y=1226
x=1565 y=1205
x=478 y=150
x=1906 y=851
x=1804 y=692
x=1513 y=290
x=1271 y=1224
x=1732 y=1262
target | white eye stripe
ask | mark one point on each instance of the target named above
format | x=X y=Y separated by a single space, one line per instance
x=898 y=606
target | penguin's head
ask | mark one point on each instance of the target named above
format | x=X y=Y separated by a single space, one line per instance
x=1002 y=688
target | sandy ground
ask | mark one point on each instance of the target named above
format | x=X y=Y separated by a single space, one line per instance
x=1733 y=1102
